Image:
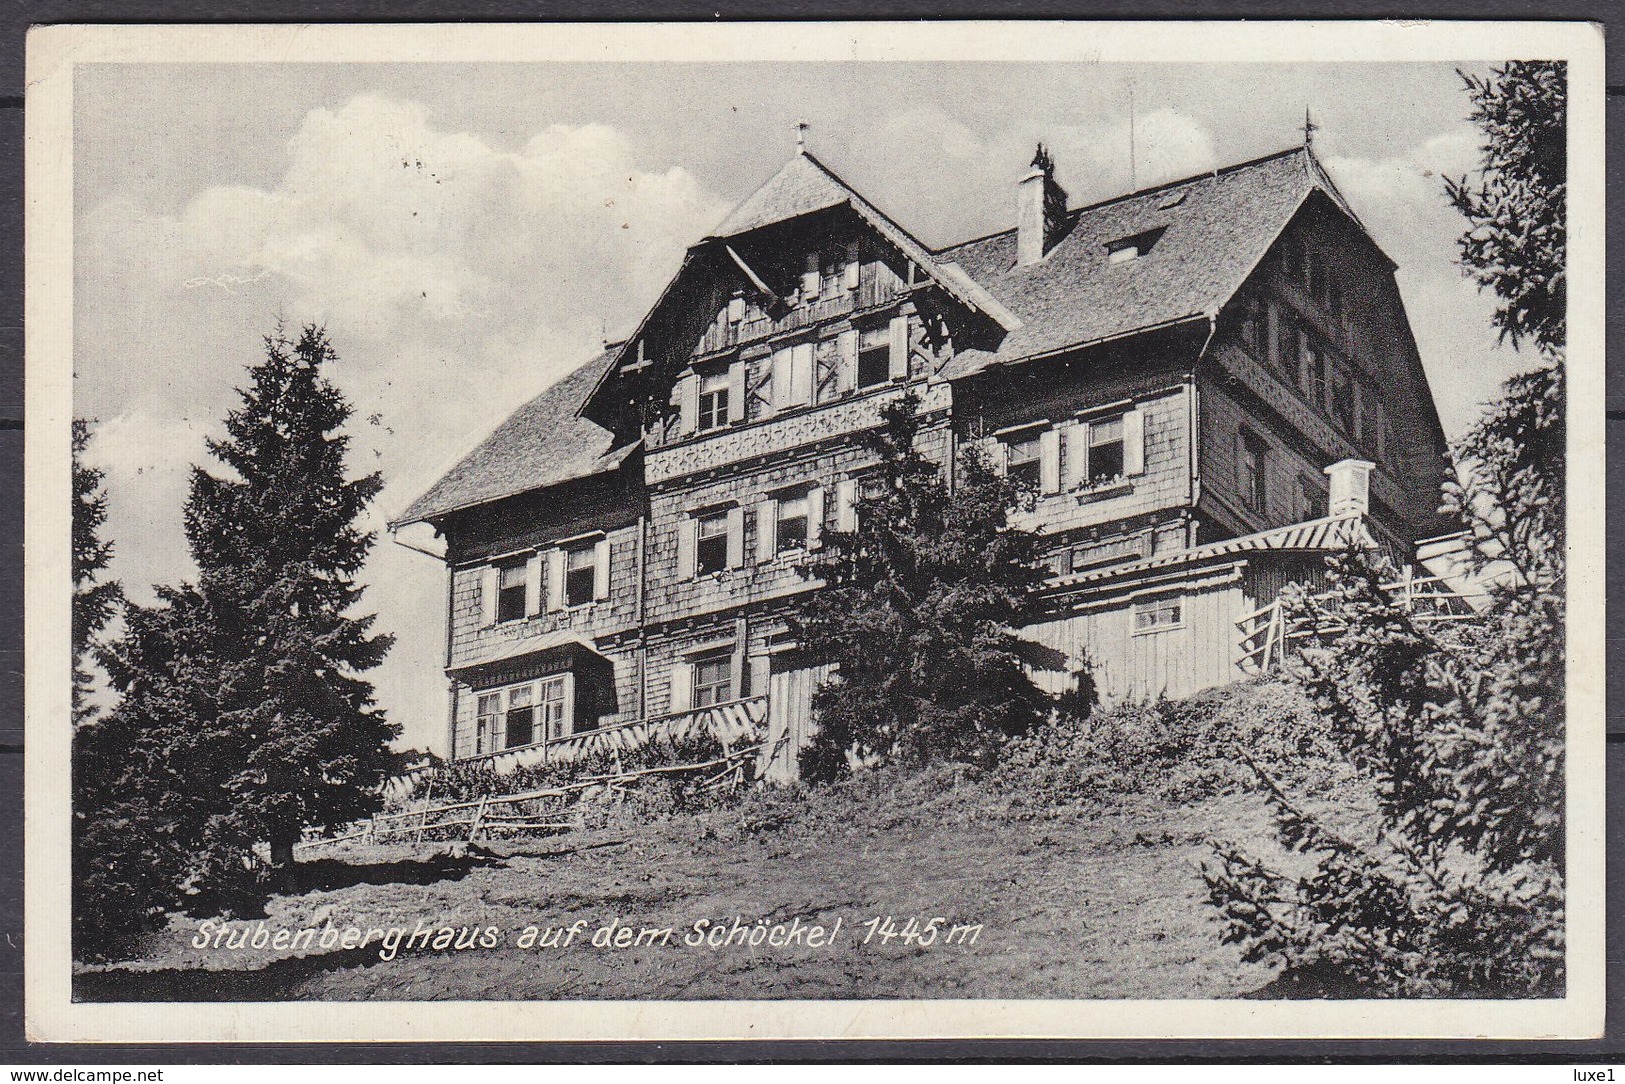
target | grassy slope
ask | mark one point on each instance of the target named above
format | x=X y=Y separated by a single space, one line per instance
x=1082 y=903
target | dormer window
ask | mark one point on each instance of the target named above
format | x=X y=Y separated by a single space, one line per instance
x=1134 y=246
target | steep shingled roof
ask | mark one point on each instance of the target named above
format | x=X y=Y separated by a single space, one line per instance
x=1215 y=228
x=542 y=443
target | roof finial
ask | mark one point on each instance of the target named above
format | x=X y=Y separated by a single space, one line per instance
x=801 y=136
x=1309 y=129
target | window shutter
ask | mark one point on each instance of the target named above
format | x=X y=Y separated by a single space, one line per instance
x=761 y=670
x=1272 y=332
x=815 y=516
x=569 y=722
x=1074 y=455
x=854 y=266
x=805 y=369
x=555 y=580
x=781 y=382
x=688 y=391
x=767 y=531
x=533 y=585
x=1134 y=443
x=736 y=668
x=736 y=537
x=736 y=392
x=600 y=572
x=899 y=348
x=1049 y=461
x=846 y=505
x=682 y=686
x=810 y=279
x=488 y=595
x=686 y=540
x=847 y=365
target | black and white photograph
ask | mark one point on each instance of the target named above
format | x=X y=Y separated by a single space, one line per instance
x=864 y=530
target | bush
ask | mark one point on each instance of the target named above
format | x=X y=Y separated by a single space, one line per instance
x=1173 y=750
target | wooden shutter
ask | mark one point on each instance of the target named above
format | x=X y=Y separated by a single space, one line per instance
x=899 y=348
x=736 y=537
x=736 y=664
x=686 y=541
x=781 y=366
x=736 y=392
x=806 y=369
x=815 y=516
x=854 y=267
x=767 y=531
x=533 y=585
x=846 y=505
x=1049 y=461
x=1074 y=455
x=488 y=595
x=1134 y=443
x=847 y=362
x=761 y=670
x=688 y=394
x=682 y=686
x=568 y=723
x=555 y=579
x=600 y=572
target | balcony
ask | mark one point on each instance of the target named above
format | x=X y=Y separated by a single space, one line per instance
x=757 y=325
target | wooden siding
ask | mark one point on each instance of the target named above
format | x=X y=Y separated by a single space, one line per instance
x=1128 y=666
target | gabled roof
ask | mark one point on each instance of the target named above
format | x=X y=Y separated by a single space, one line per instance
x=541 y=444
x=1214 y=230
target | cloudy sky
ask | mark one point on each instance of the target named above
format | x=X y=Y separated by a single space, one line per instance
x=468 y=233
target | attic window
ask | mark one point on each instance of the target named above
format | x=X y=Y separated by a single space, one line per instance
x=1134 y=246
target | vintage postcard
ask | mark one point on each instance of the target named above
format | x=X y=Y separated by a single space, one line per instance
x=818 y=530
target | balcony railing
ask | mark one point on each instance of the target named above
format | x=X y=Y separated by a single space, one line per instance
x=733 y=723
x=722 y=336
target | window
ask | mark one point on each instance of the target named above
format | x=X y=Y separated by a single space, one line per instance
x=488 y=708
x=874 y=356
x=1250 y=453
x=1316 y=384
x=1312 y=500
x=1133 y=247
x=1157 y=614
x=711 y=545
x=1022 y=457
x=792 y=375
x=520 y=717
x=792 y=524
x=713 y=680
x=511 y=591
x=713 y=401
x=1253 y=327
x=580 y=575
x=1343 y=398
x=1105 y=450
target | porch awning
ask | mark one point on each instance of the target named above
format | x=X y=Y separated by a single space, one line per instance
x=563 y=641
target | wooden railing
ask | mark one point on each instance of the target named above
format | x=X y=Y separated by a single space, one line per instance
x=739 y=725
x=1267 y=635
x=729 y=722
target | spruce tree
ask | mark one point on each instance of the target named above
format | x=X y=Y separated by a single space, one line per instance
x=95 y=600
x=919 y=611
x=244 y=711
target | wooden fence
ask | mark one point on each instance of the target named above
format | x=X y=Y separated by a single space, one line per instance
x=1267 y=634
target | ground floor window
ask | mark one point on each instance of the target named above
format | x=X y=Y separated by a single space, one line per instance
x=522 y=714
x=1155 y=615
x=713 y=680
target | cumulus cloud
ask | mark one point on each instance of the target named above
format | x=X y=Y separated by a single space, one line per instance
x=456 y=279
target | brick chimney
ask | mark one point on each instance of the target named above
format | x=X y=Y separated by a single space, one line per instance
x=1040 y=210
x=1351 y=487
